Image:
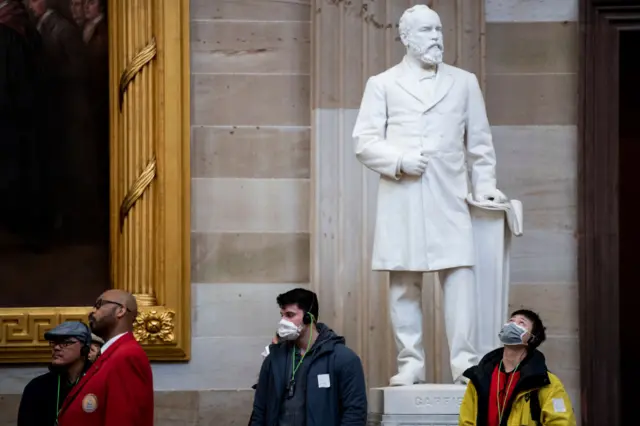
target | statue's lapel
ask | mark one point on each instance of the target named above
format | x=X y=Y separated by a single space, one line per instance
x=410 y=83
x=443 y=85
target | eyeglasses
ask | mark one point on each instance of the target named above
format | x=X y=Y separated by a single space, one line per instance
x=101 y=302
x=63 y=344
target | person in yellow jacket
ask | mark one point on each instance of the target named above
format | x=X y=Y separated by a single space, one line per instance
x=511 y=386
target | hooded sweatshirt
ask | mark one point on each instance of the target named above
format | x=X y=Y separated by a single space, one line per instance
x=329 y=385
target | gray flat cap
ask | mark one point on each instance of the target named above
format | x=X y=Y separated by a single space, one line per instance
x=96 y=339
x=70 y=329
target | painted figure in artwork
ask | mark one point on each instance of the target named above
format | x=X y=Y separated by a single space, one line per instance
x=54 y=152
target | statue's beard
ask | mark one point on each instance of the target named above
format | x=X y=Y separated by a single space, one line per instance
x=429 y=55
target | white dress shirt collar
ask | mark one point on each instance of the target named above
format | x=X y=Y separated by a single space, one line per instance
x=110 y=342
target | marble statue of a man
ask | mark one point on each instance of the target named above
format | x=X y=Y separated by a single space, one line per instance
x=423 y=127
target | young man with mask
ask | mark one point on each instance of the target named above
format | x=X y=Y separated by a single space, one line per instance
x=512 y=385
x=44 y=395
x=310 y=378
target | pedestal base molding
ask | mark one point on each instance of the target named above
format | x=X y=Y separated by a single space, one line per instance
x=417 y=405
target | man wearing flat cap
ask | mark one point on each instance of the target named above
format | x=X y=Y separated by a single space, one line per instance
x=43 y=396
x=96 y=346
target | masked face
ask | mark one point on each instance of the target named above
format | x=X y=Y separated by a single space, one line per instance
x=291 y=325
x=513 y=334
x=287 y=330
x=424 y=40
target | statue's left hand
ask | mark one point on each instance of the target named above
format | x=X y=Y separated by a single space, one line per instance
x=495 y=196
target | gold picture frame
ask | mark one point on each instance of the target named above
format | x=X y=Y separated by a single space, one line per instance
x=150 y=186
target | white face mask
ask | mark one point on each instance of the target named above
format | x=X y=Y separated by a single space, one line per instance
x=288 y=330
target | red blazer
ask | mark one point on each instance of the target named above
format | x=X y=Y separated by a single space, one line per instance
x=116 y=391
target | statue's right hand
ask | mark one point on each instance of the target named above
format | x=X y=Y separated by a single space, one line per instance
x=414 y=163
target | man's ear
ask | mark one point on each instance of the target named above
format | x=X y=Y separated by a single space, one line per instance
x=404 y=38
x=530 y=338
x=121 y=312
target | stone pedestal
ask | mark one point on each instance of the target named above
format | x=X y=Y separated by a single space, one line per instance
x=417 y=405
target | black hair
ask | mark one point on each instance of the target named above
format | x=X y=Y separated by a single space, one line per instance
x=303 y=298
x=537 y=329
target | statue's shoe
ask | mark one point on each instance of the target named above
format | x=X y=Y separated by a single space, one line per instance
x=404 y=379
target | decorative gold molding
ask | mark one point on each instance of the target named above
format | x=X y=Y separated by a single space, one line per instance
x=137 y=189
x=155 y=326
x=22 y=332
x=138 y=62
x=150 y=254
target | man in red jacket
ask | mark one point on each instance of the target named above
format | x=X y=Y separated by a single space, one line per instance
x=118 y=388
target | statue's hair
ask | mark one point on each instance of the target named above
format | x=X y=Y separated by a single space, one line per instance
x=405 y=24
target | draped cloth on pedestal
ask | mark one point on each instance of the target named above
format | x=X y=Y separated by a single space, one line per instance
x=492 y=240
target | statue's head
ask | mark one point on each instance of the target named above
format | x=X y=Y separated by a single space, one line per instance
x=421 y=33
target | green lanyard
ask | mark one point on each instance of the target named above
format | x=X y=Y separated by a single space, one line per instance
x=295 y=367
x=58 y=397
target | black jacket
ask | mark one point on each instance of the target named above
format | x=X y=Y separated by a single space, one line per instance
x=533 y=375
x=40 y=396
x=38 y=403
x=343 y=403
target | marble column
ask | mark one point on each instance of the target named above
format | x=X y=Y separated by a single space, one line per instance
x=353 y=40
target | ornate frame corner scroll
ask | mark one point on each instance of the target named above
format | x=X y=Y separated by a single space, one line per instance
x=150 y=187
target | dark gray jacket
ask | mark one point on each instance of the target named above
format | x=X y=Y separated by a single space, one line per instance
x=343 y=403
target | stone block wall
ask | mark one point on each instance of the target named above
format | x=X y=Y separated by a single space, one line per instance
x=531 y=94
x=250 y=64
x=253 y=205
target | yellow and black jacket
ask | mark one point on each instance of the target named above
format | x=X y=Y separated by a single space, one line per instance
x=539 y=396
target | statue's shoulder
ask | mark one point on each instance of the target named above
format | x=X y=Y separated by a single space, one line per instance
x=458 y=72
x=387 y=75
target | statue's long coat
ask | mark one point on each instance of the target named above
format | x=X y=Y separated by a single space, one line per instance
x=423 y=223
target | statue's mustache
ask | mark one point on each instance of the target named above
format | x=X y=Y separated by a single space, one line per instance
x=425 y=48
x=431 y=46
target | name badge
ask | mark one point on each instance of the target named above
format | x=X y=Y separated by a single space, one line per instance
x=324 y=381
x=89 y=403
x=558 y=405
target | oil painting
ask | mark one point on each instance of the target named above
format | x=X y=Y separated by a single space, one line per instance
x=54 y=152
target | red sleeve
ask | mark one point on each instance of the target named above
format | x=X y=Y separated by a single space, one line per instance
x=129 y=399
